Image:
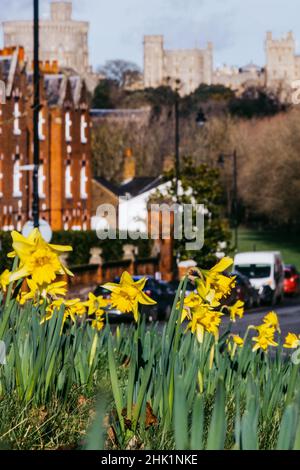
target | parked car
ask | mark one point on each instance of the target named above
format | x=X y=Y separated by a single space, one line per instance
x=243 y=291
x=291 y=280
x=159 y=291
x=265 y=270
x=190 y=287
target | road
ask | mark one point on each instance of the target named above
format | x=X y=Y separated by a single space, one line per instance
x=288 y=313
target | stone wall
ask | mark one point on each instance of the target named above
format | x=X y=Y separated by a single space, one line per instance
x=61 y=38
x=191 y=66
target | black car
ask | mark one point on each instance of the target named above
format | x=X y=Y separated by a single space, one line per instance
x=243 y=291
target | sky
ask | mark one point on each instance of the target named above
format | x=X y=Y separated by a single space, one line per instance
x=237 y=28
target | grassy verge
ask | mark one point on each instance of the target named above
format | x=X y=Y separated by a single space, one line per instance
x=288 y=244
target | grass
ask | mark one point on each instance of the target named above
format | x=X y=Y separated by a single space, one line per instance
x=256 y=240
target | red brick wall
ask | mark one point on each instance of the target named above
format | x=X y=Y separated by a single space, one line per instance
x=54 y=207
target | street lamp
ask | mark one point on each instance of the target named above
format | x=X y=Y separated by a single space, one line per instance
x=177 y=136
x=201 y=118
x=221 y=161
x=36 y=110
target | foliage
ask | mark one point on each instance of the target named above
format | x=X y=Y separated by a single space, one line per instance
x=255 y=102
x=201 y=185
x=5 y=247
x=169 y=389
x=120 y=71
x=81 y=242
x=104 y=95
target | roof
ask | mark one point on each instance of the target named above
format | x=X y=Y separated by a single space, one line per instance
x=8 y=67
x=133 y=188
x=251 y=66
x=256 y=257
x=56 y=88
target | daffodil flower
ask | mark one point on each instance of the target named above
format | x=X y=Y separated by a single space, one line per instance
x=236 y=310
x=95 y=304
x=4 y=280
x=128 y=294
x=292 y=341
x=265 y=338
x=39 y=293
x=222 y=285
x=38 y=259
x=72 y=309
x=271 y=320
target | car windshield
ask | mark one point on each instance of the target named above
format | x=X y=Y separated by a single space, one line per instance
x=254 y=271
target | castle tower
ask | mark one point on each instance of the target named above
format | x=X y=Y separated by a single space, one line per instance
x=61 y=11
x=153 y=61
x=61 y=38
x=208 y=65
x=280 y=57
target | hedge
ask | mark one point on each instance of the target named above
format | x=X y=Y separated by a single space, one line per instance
x=82 y=242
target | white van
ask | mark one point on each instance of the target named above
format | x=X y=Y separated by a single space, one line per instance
x=265 y=271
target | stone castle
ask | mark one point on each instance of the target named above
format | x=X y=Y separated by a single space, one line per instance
x=190 y=66
x=193 y=67
x=62 y=39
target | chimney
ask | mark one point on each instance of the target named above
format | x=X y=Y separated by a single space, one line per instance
x=129 y=169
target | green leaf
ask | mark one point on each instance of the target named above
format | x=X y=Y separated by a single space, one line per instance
x=180 y=416
x=197 y=424
x=217 y=428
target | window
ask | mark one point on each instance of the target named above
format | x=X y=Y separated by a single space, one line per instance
x=42 y=121
x=17 y=178
x=83 y=181
x=17 y=115
x=68 y=125
x=41 y=181
x=68 y=181
x=83 y=126
x=254 y=271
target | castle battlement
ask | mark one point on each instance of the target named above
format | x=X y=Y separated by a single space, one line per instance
x=189 y=66
x=62 y=39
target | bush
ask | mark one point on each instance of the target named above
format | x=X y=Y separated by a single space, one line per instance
x=82 y=242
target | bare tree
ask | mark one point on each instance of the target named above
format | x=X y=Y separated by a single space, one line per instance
x=121 y=71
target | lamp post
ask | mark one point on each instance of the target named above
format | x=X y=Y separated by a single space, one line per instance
x=221 y=161
x=36 y=110
x=177 y=137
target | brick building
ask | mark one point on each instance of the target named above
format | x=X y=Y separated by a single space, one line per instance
x=65 y=155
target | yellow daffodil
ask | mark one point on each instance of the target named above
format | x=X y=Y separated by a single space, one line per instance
x=4 y=280
x=271 y=320
x=128 y=294
x=38 y=259
x=190 y=303
x=95 y=304
x=217 y=281
x=204 y=319
x=39 y=293
x=238 y=340
x=265 y=338
x=72 y=309
x=207 y=294
x=98 y=322
x=236 y=310
x=204 y=297
x=292 y=341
